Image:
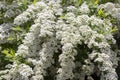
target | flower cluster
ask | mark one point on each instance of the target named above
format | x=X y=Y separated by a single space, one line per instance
x=7 y=13
x=111 y=9
x=67 y=38
x=5 y=32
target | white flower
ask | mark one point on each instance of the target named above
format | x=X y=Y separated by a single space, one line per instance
x=88 y=69
x=70 y=17
x=5 y=32
x=56 y=7
x=23 y=50
x=4 y=72
x=84 y=9
x=67 y=47
x=29 y=13
x=111 y=9
x=25 y=70
x=103 y=45
x=82 y=20
x=38 y=77
x=93 y=55
x=115 y=12
x=2 y=6
x=99 y=60
x=21 y=19
x=66 y=62
x=54 y=40
x=72 y=9
x=96 y=21
x=9 y=13
x=109 y=6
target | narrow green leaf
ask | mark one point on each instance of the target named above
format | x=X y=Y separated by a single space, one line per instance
x=101 y=13
x=17 y=28
x=11 y=39
x=78 y=2
x=5 y=51
x=114 y=29
x=35 y=1
x=12 y=52
x=96 y=2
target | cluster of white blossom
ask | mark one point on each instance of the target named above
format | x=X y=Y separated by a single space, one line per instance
x=39 y=44
x=111 y=9
x=8 y=11
x=84 y=9
x=62 y=29
x=29 y=13
x=5 y=32
x=106 y=65
x=114 y=10
x=22 y=72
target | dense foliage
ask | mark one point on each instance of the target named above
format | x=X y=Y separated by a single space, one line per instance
x=59 y=39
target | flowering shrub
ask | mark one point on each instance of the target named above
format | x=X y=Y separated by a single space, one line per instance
x=59 y=40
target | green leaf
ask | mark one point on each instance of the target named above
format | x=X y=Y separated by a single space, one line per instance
x=96 y=2
x=11 y=38
x=5 y=51
x=10 y=53
x=18 y=28
x=62 y=16
x=64 y=2
x=78 y=2
x=35 y=1
x=25 y=2
x=114 y=29
x=101 y=13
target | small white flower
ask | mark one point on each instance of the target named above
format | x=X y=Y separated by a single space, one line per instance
x=109 y=6
x=84 y=9
x=72 y=9
x=22 y=50
x=82 y=20
x=25 y=70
